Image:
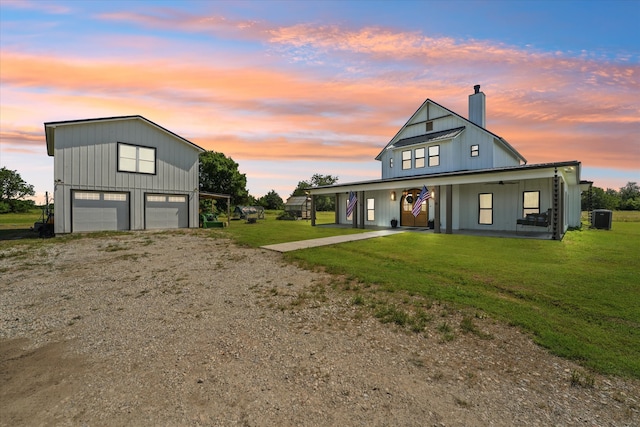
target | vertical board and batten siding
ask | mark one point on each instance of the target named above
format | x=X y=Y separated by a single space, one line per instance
x=507 y=203
x=503 y=157
x=86 y=158
x=455 y=154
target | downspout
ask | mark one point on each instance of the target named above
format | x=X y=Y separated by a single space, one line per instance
x=556 y=206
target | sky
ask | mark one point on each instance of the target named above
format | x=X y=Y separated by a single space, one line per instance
x=288 y=89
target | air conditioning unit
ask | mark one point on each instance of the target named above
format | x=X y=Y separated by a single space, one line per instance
x=601 y=218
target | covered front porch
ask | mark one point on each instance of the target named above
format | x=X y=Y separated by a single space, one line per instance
x=487 y=203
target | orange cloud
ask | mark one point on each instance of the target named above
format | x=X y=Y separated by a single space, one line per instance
x=549 y=106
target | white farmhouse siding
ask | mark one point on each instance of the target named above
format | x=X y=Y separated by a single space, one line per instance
x=478 y=181
x=86 y=160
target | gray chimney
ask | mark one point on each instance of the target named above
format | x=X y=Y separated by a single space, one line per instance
x=477 y=107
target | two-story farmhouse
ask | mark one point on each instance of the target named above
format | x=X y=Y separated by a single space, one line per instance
x=475 y=180
x=122 y=173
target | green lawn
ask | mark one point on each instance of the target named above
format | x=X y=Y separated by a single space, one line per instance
x=580 y=297
x=13 y=226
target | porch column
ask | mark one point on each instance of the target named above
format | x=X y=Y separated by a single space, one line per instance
x=337 y=210
x=354 y=214
x=449 y=213
x=361 y=207
x=313 y=210
x=436 y=207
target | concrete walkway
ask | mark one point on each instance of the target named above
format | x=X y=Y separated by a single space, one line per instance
x=324 y=241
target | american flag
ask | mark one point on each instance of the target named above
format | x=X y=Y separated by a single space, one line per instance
x=351 y=203
x=424 y=195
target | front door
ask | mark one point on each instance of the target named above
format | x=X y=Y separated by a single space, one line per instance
x=406 y=206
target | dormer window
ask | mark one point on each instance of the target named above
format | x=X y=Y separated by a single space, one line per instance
x=406 y=159
x=434 y=155
x=419 y=158
x=475 y=150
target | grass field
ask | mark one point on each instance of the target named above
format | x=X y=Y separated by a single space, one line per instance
x=580 y=297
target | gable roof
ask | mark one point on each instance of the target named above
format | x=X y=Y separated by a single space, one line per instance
x=50 y=127
x=501 y=140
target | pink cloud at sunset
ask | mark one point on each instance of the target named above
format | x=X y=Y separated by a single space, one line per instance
x=284 y=89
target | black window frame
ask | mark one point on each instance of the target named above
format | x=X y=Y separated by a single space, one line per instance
x=137 y=159
x=481 y=209
x=528 y=210
x=475 y=150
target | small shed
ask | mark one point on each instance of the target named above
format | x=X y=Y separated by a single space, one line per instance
x=246 y=212
x=298 y=206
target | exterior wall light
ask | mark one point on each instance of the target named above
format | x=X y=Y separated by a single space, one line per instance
x=393 y=196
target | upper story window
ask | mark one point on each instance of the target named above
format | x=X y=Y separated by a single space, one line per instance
x=133 y=158
x=475 y=150
x=419 y=157
x=434 y=155
x=530 y=203
x=429 y=126
x=391 y=162
x=406 y=159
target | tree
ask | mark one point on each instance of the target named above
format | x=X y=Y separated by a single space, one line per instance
x=12 y=189
x=630 y=197
x=600 y=199
x=271 y=200
x=220 y=174
x=323 y=203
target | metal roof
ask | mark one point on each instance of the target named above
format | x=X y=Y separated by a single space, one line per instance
x=49 y=128
x=477 y=175
x=430 y=137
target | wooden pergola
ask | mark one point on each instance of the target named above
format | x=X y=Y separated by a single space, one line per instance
x=216 y=196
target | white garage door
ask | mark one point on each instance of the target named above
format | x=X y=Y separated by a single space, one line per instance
x=166 y=211
x=99 y=211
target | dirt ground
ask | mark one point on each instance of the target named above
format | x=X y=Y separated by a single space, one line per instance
x=180 y=329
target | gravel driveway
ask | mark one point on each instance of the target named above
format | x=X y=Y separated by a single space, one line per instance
x=181 y=329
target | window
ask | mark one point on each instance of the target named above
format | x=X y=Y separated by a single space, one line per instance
x=157 y=199
x=406 y=159
x=132 y=158
x=485 y=214
x=419 y=157
x=475 y=150
x=117 y=197
x=429 y=126
x=434 y=155
x=391 y=162
x=370 y=209
x=86 y=196
x=530 y=203
x=176 y=199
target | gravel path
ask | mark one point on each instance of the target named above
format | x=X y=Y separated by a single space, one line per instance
x=180 y=329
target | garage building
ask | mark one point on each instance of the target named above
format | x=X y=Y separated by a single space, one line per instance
x=122 y=173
